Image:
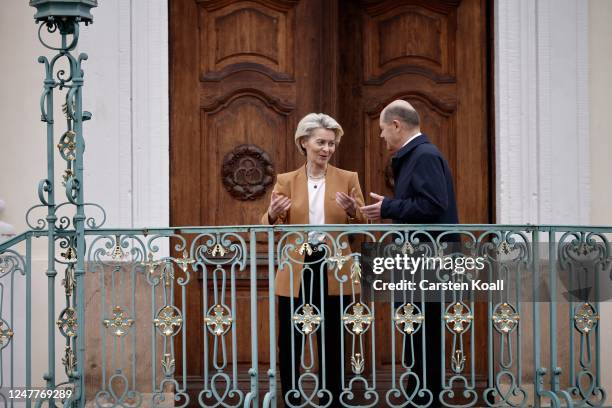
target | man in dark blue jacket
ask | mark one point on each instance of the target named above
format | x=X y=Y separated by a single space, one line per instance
x=424 y=194
x=424 y=191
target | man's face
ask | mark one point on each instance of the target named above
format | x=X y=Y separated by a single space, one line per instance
x=391 y=132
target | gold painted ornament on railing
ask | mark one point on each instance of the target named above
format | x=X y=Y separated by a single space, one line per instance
x=168 y=363
x=309 y=319
x=361 y=321
x=219 y=322
x=459 y=320
x=120 y=322
x=586 y=318
x=358 y=363
x=409 y=316
x=6 y=334
x=67 y=322
x=168 y=318
x=505 y=319
x=185 y=261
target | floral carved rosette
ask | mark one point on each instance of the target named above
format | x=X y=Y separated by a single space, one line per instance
x=247 y=172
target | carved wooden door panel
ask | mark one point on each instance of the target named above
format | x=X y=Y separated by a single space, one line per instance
x=432 y=53
x=242 y=73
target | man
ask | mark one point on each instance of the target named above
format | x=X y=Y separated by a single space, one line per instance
x=424 y=191
x=424 y=194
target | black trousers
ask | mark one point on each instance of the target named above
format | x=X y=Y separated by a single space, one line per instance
x=290 y=373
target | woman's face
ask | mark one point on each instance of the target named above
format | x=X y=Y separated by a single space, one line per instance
x=320 y=146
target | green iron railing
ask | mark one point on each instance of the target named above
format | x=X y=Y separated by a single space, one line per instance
x=127 y=268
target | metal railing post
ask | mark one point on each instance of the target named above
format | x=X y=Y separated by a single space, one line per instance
x=252 y=399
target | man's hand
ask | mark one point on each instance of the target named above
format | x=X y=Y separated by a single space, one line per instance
x=278 y=205
x=372 y=212
x=347 y=202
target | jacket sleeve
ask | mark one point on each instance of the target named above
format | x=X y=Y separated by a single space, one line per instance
x=281 y=187
x=359 y=217
x=429 y=196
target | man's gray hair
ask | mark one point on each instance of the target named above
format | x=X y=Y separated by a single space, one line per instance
x=314 y=121
x=404 y=114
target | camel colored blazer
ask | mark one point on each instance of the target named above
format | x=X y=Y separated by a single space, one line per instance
x=295 y=186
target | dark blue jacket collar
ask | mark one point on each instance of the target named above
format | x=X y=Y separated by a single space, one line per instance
x=419 y=140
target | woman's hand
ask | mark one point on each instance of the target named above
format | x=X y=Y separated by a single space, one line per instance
x=347 y=202
x=278 y=205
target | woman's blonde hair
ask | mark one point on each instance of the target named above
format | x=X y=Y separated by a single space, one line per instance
x=314 y=121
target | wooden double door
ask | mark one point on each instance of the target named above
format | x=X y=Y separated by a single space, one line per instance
x=243 y=73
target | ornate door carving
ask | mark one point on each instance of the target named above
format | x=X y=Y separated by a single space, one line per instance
x=433 y=53
x=244 y=72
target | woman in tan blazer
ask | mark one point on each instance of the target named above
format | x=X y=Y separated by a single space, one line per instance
x=315 y=193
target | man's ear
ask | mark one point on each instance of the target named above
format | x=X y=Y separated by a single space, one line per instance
x=396 y=125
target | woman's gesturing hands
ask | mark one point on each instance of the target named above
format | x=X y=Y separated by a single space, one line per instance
x=278 y=205
x=347 y=202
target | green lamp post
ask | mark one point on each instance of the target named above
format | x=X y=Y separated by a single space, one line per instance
x=65 y=81
x=77 y=9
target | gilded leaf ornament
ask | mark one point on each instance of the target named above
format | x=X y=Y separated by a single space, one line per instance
x=339 y=260
x=218 y=250
x=407 y=248
x=458 y=361
x=69 y=359
x=357 y=363
x=503 y=248
x=356 y=272
x=167 y=363
x=304 y=248
x=151 y=264
x=117 y=252
x=185 y=261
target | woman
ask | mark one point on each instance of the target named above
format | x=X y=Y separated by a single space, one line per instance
x=315 y=193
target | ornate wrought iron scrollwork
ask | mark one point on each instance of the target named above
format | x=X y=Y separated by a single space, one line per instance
x=247 y=172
